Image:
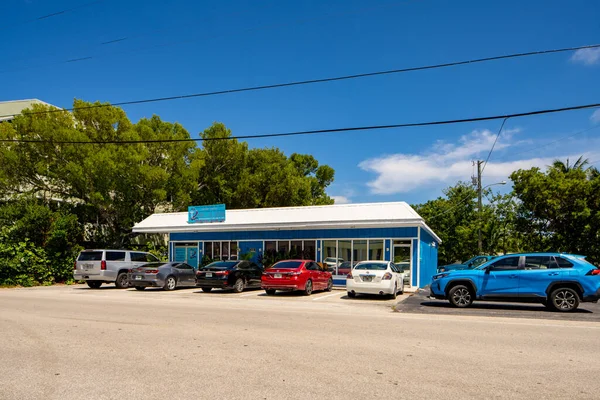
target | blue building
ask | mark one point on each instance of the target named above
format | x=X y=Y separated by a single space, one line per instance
x=337 y=235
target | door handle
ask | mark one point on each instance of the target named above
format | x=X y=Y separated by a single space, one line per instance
x=514 y=276
x=553 y=274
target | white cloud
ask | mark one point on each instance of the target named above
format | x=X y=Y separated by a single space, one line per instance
x=341 y=199
x=448 y=163
x=587 y=56
x=595 y=117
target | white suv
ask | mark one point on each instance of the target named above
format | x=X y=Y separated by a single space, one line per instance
x=96 y=267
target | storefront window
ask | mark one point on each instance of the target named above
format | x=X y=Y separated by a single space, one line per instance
x=296 y=249
x=217 y=250
x=225 y=250
x=208 y=249
x=233 y=250
x=284 y=246
x=270 y=246
x=309 y=250
x=360 y=250
x=329 y=249
x=375 y=249
x=345 y=250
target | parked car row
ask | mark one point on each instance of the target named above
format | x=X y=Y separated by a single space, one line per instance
x=140 y=270
x=559 y=281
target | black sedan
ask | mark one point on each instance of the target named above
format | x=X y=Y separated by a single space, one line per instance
x=167 y=275
x=236 y=275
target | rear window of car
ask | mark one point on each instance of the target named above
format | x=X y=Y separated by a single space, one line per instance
x=287 y=264
x=115 y=256
x=222 y=264
x=562 y=263
x=372 y=266
x=90 y=256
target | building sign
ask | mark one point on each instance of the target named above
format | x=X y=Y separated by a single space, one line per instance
x=200 y=214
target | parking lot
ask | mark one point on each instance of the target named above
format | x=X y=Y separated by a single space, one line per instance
x=72 y=342
x=420 y=303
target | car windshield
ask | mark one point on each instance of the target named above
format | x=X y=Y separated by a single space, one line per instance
x=287 y=264
x=372 y=266
x=222 y=264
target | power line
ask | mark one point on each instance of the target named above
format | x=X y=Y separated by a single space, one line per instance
x=318 y=131
x=493 y=145
x=52 y=14
x=321 y=80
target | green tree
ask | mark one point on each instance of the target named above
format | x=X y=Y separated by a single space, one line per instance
x=560 y=208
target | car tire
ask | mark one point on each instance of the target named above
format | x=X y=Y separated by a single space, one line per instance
x=351 y=295
x=308 y=288
x=207 y=289
x=94 y=284
x=395 y=292
x=170 y=283
x=460 y=296
x=140 y=287
x=564 y=299
x=329 y=285
x=238 y=286
x=122 y=281
x=270 y=292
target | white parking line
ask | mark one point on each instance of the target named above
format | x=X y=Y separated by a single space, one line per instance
x=324 y=297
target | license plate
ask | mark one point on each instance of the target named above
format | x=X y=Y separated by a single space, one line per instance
x=209 y=274
x=367 y=278
x=138 y=278
x=277 y=275
x=88 y=266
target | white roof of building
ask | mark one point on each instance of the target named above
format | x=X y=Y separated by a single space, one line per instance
x=10 y=109
x=337 y=216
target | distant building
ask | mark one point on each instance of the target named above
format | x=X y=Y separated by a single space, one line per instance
x=10 y=109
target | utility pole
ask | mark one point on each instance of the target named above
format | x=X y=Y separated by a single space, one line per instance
x=479 y=243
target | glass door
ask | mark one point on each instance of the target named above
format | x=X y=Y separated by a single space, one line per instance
x=403 y=259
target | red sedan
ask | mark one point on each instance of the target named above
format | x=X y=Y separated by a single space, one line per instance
x=302 y=275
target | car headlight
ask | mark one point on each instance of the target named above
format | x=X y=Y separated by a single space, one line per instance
x=439 y=276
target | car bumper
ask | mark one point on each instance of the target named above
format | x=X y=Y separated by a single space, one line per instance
x=103 y=276
x=157 y=282
x=281 y=286
x=383 y=287
x=213 y=284
x=592 y=298
x=436 y=291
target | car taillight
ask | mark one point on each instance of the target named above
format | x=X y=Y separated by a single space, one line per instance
x=349 y=276
x=594 y=272
x=151 y=271
x=295 y=273
x=387 y=276
x=102 y=265
x=75 y=265
x=226 y=272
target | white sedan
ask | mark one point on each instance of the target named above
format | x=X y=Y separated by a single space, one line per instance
x=375 y=277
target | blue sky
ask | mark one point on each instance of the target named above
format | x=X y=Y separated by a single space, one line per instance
x=180 y=47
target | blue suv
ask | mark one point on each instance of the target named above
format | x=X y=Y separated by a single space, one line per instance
x=559 y=281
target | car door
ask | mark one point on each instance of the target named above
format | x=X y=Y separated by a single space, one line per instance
x=501 y=278
x=537 y=275
x=186 y=276
x=314 y=274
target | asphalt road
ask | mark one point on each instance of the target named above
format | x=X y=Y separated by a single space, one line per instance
x=421 y=303
x=78 y=343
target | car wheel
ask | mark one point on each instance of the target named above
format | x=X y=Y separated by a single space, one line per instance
x=460 y=296
x=140 y=287
x=238 y=286
x=270 y=291
x=351 y=295
x=308 y=288
x=564 y=299
x=122 y=282
x=395 y=292
x=94 y=284
x=170 y=283
x=206 y=289
x=329 y=285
